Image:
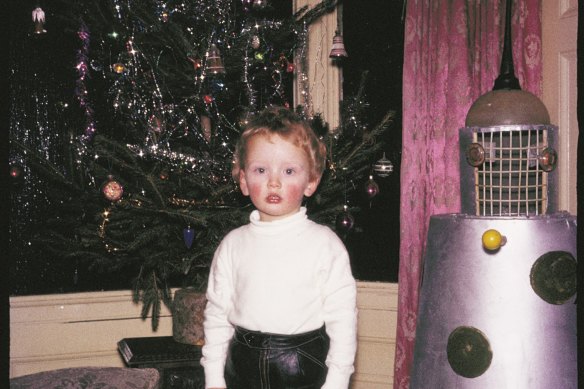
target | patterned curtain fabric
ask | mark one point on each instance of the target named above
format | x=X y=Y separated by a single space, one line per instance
x=452 y=56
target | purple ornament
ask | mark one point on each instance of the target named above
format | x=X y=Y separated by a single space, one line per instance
x=189 y=236
x=372 y=188
x=344 y=221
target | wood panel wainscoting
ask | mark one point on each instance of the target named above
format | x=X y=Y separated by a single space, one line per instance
x=82 y=329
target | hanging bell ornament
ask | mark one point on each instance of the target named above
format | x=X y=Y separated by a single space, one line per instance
x=214 y=61
x=38 y=17
x=383 y=167
x=338 y=49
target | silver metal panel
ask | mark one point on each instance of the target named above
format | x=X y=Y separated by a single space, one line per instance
x=533 y=342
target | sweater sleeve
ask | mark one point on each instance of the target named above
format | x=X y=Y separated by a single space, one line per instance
x=340 y=314
x=218 y=330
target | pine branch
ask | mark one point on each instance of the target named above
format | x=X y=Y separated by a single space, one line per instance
x=370 y=137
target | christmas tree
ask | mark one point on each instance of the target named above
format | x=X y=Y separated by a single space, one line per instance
x=134 y=175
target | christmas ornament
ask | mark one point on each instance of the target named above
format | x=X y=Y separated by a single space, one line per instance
x=259 y=56
x=206 y=127
x=344 y=221
x=188 y=236
x=156 y=124
x=38 y=17
x=208 y=99
x=15 y=171
x=196 y=61
x=112 y=190
x=163 y=174
x=371 y=188
x=130 y=47
x=332 y=167
x=383 y=167
x=214 y=61
x=285 y=64
x=255 y=42
x=118 y=68
x=338 y=49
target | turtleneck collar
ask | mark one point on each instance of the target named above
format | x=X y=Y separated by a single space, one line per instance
x=277 y=226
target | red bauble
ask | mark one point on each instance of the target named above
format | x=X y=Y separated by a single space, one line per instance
x=15 y=171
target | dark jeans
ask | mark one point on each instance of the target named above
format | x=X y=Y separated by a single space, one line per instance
x=259 y=360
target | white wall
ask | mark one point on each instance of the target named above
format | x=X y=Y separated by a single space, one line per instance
x=559 y=32
x=82 y=329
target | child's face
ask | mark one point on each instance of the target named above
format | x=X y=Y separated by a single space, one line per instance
x=276 y=176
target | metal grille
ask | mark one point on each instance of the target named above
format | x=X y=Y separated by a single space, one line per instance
x=511 y=181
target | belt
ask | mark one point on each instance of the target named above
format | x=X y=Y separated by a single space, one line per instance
x=257 y=339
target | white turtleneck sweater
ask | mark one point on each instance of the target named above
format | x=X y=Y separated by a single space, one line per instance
x=286 y=276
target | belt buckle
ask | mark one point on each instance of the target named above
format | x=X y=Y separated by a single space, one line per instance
x=249 y=338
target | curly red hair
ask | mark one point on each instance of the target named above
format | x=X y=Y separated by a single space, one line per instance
x=291 y=127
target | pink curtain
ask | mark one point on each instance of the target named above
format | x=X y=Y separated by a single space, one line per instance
x=452 y=56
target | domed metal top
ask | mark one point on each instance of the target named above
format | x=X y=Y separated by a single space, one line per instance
x=507 y=107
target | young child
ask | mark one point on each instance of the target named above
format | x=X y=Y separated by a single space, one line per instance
x=281 y=311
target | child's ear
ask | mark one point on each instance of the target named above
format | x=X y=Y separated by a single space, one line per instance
x=311 y=187
x=243 y=183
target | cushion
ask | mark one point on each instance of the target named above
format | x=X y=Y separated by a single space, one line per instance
x=89 y=378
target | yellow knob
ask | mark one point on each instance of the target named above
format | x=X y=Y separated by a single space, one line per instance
x=493 y=240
